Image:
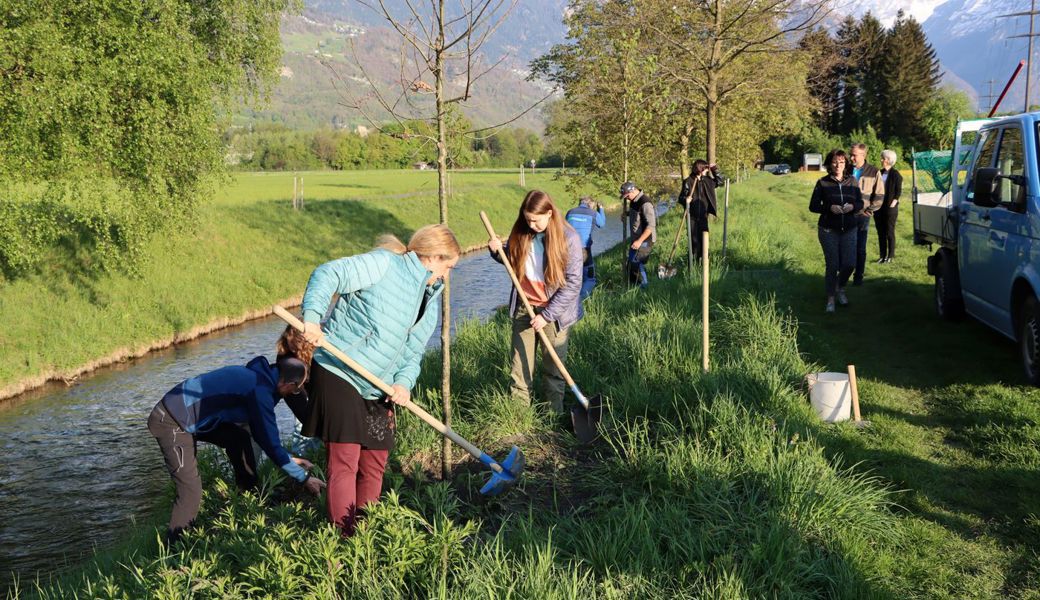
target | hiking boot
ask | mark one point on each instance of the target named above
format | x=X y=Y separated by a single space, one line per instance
x=830 y=306
x=843 y=300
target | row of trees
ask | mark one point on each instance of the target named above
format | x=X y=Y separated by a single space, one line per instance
x=657 y=82
x=887 y=79
x=648 y=83
x=395 y=146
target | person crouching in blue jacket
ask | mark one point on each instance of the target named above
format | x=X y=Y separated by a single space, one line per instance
x=583 y=218
x=387 y=308
x=213 y=408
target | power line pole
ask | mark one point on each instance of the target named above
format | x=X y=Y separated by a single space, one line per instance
x=1031 y=13
x=989 y=97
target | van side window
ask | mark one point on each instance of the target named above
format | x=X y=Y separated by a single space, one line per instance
x=1011 y=161
x=962 y=162
x=989 y=146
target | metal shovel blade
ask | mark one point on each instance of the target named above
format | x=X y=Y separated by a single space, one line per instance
x=512 y=467
x=586 y=421
x=666 y=271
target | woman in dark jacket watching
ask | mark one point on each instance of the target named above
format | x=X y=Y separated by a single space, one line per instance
x=837 y=199
x=885 y=218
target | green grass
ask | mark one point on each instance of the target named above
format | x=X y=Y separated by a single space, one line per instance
x=718 y=485
x=249 y=249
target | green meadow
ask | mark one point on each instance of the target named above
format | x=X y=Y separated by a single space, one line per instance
x=705 y=485
x=247 y=250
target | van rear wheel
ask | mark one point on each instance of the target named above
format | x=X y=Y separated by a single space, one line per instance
x=949 y=304
x=1029 y=339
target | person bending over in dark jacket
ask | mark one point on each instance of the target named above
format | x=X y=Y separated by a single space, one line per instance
x=699 y=190
x=215 y=407
x=838 y=200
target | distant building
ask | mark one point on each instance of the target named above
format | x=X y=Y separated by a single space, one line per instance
x=812 y=162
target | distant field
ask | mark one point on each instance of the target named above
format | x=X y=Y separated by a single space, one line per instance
x=248 y=250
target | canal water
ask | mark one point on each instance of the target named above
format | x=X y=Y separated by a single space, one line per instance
x=78 y=466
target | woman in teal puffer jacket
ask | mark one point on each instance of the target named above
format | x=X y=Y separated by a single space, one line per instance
x=388 y=307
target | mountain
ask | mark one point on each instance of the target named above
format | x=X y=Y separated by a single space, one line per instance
x=320 y=76
x=886 y=11
x=978 y=47
x=324 y=45
x=973 y=46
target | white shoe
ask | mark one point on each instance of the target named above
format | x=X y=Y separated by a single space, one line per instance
x=830 y=306
x=842 y=298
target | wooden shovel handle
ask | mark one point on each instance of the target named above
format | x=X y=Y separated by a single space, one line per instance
x=527 y=305
x=678 y=232
x=417 y=410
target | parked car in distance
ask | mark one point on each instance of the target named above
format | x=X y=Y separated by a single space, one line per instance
x=782 y=169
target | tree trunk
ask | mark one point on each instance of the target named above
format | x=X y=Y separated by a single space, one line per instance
x=442 y=197
x=712 y=95
x=684 y=149
x=711 y=120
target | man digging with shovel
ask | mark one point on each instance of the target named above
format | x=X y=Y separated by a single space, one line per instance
x=643 y=228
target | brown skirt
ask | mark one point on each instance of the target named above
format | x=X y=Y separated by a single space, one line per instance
x=338 y=413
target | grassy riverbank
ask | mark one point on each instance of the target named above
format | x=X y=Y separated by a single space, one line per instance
x=248 y=251
x=711 y=485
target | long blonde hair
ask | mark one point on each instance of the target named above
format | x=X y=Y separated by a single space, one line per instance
x=431 y=241
x=292 y=343
x=538 y=203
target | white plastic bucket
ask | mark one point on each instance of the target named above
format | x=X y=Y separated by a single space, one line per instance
x=830 y=396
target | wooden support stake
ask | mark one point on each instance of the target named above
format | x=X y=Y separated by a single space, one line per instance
x=704 y=301
x=294 y=192
x=855 y=394
x=725 y=220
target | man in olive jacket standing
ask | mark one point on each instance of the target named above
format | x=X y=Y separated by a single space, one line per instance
x=873 y=190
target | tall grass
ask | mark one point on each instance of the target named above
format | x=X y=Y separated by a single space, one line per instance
x=716 y=485
x=699 y=489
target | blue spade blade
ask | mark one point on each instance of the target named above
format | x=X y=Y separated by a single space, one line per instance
x=512 y=467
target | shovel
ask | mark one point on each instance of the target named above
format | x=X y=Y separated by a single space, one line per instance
x=668 y=270
x=503 y=475
x=585 y=417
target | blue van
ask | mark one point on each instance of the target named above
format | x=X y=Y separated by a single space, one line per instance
x=987 y=224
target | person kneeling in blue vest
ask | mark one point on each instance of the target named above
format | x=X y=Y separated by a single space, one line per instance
x=213 y=408
x=583 y=218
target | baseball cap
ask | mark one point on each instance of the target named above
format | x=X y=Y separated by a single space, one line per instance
x=291 y=370
x=627 y=187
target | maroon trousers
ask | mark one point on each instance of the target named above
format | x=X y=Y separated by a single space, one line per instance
x=355 y=480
